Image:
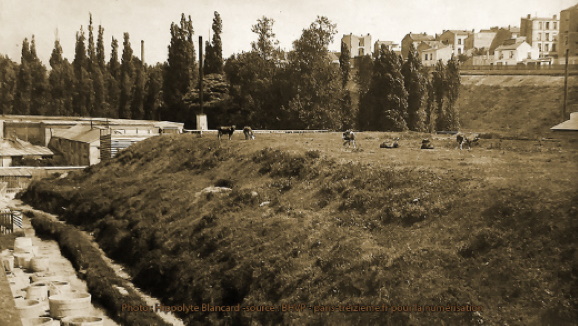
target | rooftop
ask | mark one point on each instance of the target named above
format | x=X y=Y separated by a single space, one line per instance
x=568 y=125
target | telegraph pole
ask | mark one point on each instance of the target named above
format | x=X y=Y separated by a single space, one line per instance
x=565 y=87
x=201 y=72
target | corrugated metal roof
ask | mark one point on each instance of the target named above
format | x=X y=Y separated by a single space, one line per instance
x=78 y=133
x=15 y=172
x=17 y=147
x=568 y=125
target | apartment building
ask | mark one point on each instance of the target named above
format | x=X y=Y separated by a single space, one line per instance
x=541 y=34
x=414 y=39
x=568 y=37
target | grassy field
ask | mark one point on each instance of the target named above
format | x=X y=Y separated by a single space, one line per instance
x=309 y=222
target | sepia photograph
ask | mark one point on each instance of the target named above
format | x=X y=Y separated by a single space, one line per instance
x=288 y=162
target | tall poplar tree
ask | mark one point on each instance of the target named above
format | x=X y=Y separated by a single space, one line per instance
x=415 y=84
x=82 y=82
x=126 y=79
x=61 y=80
x=386 y=99
x=180 y=72
x=345 y=63
x=23 y=96
x=214 y=51
x=99 y=76
x=113 y=85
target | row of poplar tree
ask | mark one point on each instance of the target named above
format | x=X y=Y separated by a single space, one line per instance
x=266 y=87
x=124 y=87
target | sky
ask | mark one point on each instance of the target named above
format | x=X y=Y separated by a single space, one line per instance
x=150 y=20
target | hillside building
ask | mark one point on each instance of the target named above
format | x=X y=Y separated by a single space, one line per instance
x=480 y=43
x=390 y=45
x=414 y=39
x=514 y=53
x=358 y=46
x=431 y=52
x=456 y=39
x=568 y=37
x=541 y=34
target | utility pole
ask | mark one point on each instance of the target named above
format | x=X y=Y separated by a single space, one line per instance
x=565 y=87
x=201 y=72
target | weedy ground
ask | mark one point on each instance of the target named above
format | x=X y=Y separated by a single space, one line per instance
x=308 y=221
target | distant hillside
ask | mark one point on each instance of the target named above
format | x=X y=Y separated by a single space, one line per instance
x=524 y=105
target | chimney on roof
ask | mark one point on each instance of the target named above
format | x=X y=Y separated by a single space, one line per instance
x=529 y=16
x=555 y=17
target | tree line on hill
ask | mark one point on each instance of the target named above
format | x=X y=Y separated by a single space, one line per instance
x=264 y=88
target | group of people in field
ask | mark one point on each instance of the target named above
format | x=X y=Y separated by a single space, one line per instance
x=348 y=138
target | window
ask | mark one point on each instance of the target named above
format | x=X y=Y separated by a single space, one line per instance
x=547 y=47
x=555 y=25
x=511 y=54
x=540 y=47
x=547 y=37
x=553 y=47
x=547 y=25
x=540 y=25
x=529 y=55
x=459 y=41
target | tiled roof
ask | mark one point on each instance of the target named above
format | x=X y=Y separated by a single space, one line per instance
x=512 y=46
x=421 y=37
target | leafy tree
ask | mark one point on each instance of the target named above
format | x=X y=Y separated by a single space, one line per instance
x=126 y=79
x=385 y=103
x=415 y=84
x=266 y=42
x=180 y=71
x=364 y=66
x=137 y=94
x=430 y=105
x=153 y=89
x=316 y=83
x=345 y=63
x=214 y=51
x=8 y=76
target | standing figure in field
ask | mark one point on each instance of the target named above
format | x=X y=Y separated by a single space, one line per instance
x=349 y=138
x=226 y=131
x=248 y=132
x=467 y=139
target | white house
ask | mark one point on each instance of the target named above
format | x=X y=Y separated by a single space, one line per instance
x=514 y=53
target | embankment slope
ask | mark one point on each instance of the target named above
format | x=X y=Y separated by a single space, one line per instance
x=527 y=105
x=309 y=223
